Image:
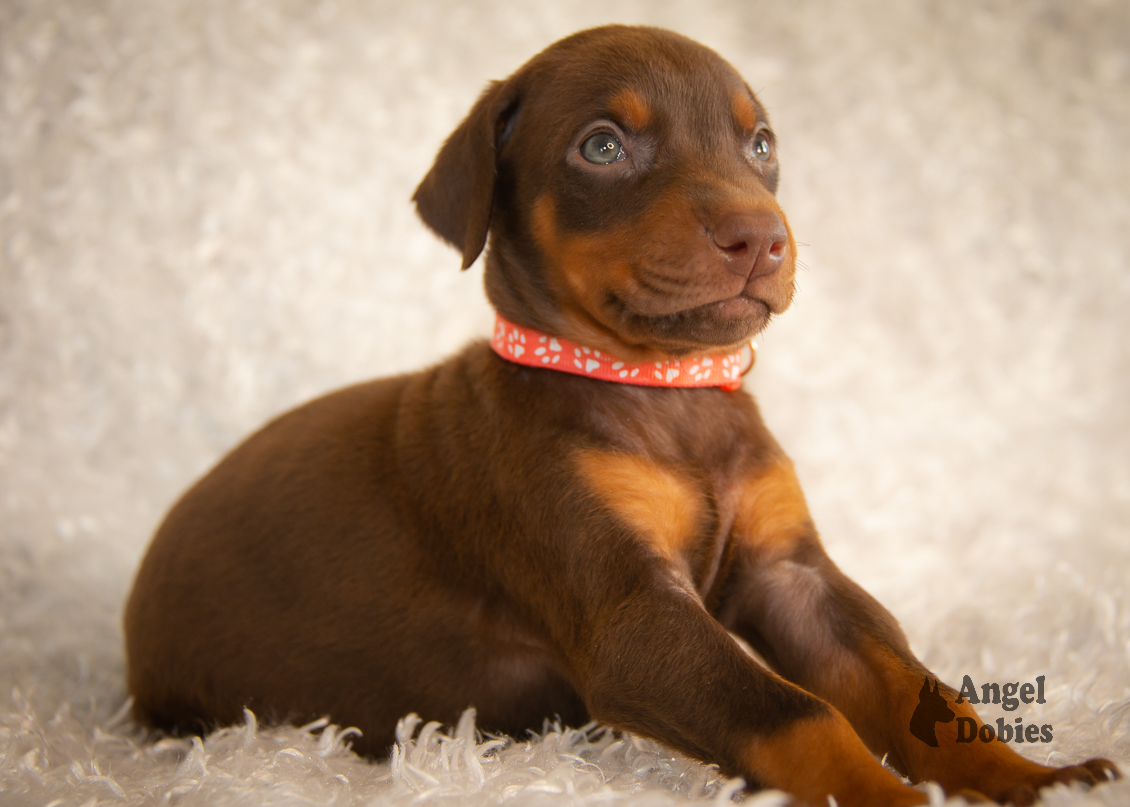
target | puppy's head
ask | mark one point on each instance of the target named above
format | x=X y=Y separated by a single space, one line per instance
x=626 y=177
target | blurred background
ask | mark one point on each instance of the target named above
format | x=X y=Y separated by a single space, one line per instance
x=205 y=220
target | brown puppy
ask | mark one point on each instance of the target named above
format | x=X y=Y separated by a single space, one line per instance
x=535 y=543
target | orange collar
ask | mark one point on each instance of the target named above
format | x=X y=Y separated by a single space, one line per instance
x=533 y=348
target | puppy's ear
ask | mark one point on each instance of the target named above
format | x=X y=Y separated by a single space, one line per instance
x=454 y=199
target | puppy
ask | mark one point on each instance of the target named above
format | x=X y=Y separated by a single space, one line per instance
x=571 y=519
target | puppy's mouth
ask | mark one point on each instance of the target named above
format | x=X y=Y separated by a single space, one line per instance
x=703 y=289
x=741 y=306
x=699 y=309
x=717 y=324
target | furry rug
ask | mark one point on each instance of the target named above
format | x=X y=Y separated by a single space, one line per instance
x=204 y=220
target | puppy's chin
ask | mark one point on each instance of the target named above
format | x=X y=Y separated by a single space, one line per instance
x=711 y=327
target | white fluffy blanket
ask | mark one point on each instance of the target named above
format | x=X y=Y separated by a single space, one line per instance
x=204 y=220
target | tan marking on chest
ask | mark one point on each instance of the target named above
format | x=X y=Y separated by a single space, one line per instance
x=771 y=509
x=659 y=504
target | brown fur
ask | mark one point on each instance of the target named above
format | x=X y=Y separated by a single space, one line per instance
x=533 y=543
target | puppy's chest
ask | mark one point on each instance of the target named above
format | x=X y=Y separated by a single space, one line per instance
x=692 y=517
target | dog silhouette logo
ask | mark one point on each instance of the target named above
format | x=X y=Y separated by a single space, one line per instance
x=932 y=709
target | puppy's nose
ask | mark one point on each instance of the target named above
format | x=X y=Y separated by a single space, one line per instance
x=754 y=244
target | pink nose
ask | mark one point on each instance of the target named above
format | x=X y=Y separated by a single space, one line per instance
x=753 y=244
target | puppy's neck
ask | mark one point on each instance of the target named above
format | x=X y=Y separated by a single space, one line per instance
x=534 y=348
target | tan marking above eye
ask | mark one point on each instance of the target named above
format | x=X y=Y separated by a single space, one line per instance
x=744 y=111
x=771 y=508
x=631 y=110
x=662 y=506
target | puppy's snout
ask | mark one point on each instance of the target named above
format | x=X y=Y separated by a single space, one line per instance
x=753 y=243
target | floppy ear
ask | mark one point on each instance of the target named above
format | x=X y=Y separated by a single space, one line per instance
x=454 y=199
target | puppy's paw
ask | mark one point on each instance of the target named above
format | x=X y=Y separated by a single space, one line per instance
x=1089 y=773
x=1101 y=770
x=971 y=796
x=1092 y=772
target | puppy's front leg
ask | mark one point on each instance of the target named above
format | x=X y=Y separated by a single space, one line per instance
x=650 y=658
x=658 y=664
x=823 y=632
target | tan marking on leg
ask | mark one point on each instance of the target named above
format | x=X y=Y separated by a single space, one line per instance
x=817 y=757
x=663 y=507
x=879 y=693
x=993 y=768
x=771 y=509
x=866 y=685
x=631 y=110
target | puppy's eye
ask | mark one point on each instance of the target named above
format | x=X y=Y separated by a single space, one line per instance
x=762 y=148
x=602 y=149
